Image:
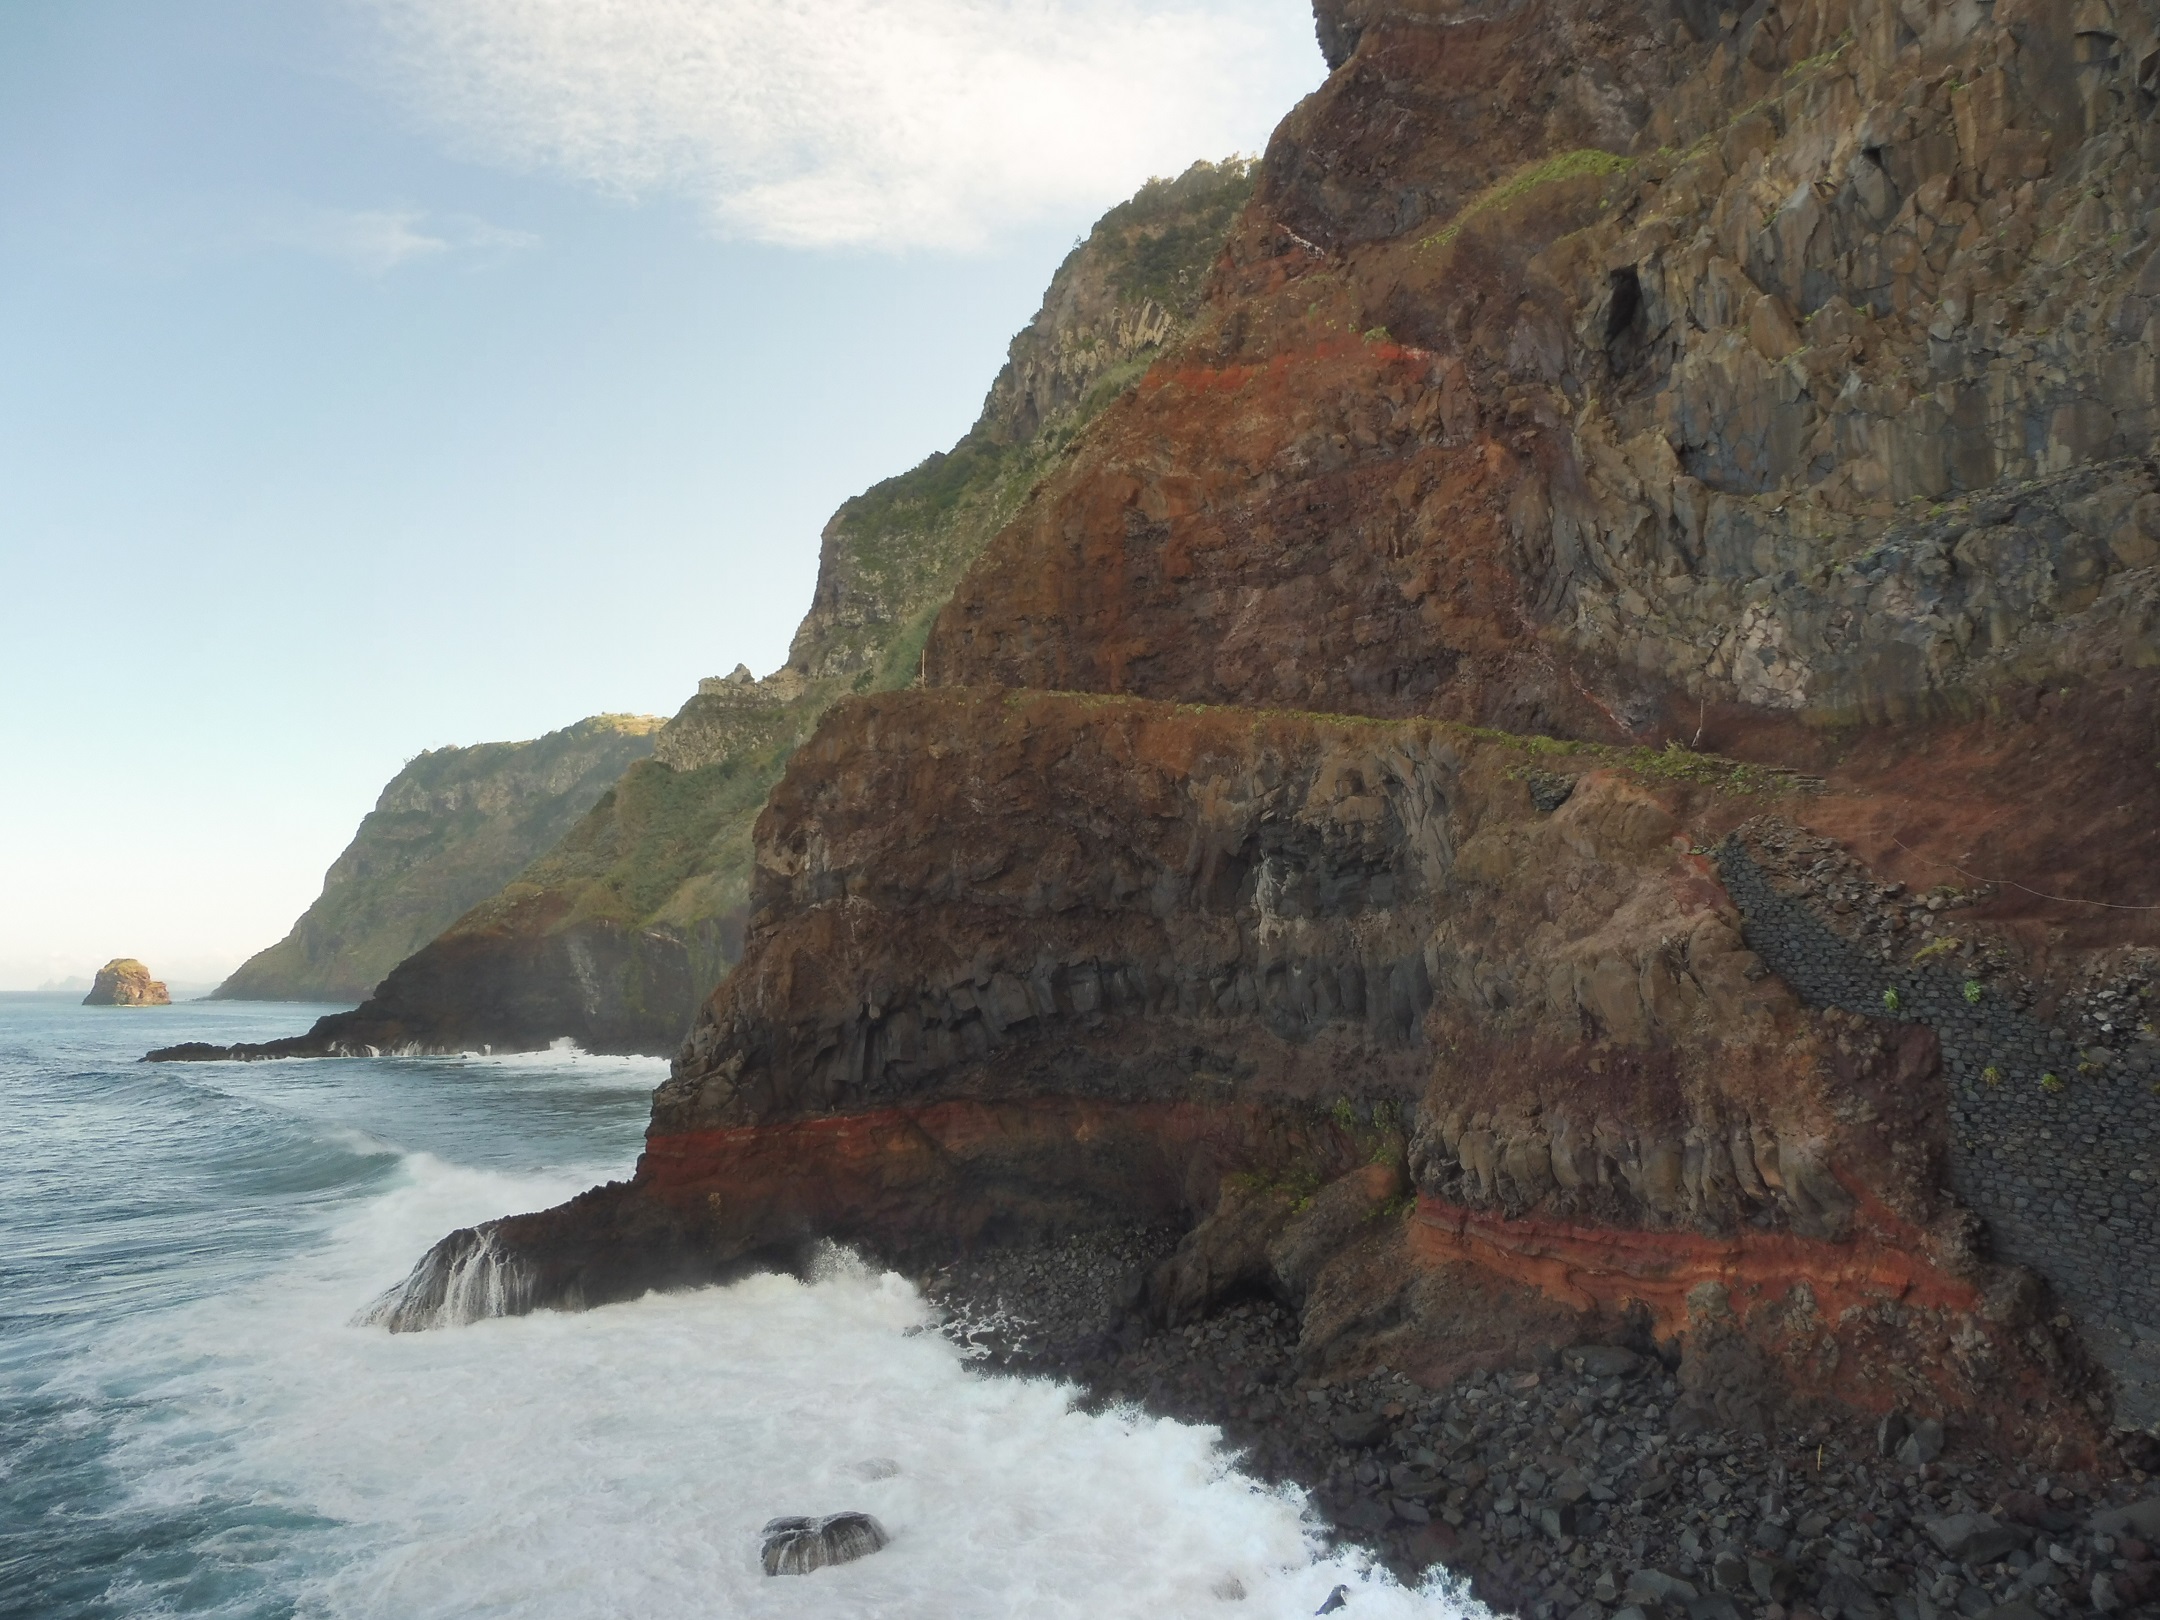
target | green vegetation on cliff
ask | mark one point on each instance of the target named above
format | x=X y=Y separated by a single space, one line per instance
x=449 y=829
x=660 y=867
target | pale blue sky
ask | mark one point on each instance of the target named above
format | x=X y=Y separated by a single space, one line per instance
x=378 y=374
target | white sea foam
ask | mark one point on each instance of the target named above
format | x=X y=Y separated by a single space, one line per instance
x=566 y=1058
x=621 y=1461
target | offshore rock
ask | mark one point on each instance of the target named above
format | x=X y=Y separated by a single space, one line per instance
x=796 y=1546
x=125 y=982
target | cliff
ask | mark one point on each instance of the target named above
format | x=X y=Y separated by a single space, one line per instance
x=125 y=982
x=1601 y=695
x=615 y=936
x=450 y=829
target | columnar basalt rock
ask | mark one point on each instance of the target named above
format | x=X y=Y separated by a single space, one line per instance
x=1657 y=376
x=1580 y=367
x=1336 y=994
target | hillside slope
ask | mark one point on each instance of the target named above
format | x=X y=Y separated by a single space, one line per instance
x=450 y=828
x=615 y=936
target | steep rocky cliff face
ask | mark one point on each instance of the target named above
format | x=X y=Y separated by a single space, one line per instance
x=1605 y=366
x=617 y=934
x=1661 y=378
x=450 y=829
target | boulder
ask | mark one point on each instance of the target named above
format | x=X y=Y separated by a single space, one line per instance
x=1649 y=1588
x=1360 y=1429
x=1922 y=1445
x=2140 y=1519
x=1975 y=1538
x=1602 y=1360
x=125 y=982
x=796 y=1546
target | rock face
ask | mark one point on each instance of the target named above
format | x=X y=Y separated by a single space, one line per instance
x=614 y=937
x=1659 y=378
x=796 y=1546
x=448 y=831
x=125 y=982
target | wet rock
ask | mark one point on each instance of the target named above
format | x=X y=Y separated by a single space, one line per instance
x=796 y=1546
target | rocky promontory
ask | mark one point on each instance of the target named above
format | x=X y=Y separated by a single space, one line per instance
x=1568 y=771
x=125 y=982
x=614 y=936
x=447 y=831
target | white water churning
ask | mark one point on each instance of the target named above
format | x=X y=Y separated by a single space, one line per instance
x=251 y=1450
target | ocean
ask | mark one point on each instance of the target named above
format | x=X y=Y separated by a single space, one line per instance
x=192 y=1423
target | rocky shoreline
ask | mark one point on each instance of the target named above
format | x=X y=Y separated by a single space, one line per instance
x=1589 y=1482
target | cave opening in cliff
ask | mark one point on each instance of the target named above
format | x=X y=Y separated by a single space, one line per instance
x=1624 y=319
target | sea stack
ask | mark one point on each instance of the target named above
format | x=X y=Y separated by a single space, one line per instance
x=125 y=982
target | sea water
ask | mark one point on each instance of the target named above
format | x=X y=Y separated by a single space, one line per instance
x=192 y=1423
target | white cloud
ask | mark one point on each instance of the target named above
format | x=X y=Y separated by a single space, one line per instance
x=376 y=241
x=892 y=123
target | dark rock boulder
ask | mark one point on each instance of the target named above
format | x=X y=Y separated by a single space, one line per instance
x=796 y=1546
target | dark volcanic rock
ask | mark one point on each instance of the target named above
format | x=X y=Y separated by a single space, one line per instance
x=796 y=1546
x=1587 y=386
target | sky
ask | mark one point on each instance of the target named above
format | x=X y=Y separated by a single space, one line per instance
x=383 y=374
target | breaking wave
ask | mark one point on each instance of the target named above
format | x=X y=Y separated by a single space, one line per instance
x=213 y=1434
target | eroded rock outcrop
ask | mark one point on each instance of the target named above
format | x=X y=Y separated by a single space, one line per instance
x=125 y=982
x=1335 y=993
x=1652 y=375
x=1590 y=367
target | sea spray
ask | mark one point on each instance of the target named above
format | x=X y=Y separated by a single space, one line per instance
x=207 y=1432
x=464 y=1278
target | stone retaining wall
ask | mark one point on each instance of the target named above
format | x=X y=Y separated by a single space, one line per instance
x=2066 y=1179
